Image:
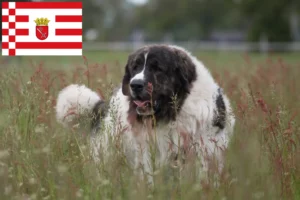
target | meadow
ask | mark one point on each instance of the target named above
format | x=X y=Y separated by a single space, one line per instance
x=39 y=159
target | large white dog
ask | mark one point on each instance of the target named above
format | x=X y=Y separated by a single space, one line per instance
x=168 y=99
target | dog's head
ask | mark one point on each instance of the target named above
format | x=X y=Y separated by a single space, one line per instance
x=157 y=80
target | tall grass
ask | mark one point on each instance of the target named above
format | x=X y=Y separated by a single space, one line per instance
x=39 y=159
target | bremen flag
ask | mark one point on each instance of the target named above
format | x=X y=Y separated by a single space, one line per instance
x=41 y=28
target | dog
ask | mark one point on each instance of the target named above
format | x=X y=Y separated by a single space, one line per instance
x=167 y=98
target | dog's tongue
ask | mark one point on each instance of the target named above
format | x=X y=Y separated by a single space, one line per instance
x=141 y=103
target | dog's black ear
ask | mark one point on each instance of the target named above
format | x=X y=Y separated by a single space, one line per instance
x=186 y=69
x=125 y=82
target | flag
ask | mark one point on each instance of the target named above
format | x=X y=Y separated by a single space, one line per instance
x=41 y=28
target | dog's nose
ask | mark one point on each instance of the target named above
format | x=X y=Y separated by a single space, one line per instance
x=137 y=85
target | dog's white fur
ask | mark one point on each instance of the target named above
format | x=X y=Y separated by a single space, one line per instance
x=74 y=101
x=195 y=118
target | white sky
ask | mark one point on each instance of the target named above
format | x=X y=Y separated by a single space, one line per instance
x=138 y=1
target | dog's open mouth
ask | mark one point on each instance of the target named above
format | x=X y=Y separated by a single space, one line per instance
x=144 y=107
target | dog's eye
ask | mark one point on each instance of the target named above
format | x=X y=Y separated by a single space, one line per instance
x=158 y=68
x=135 y=68
x=139 y=62
x=155 y=66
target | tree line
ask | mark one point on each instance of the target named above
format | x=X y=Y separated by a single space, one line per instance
x=191 y=19
x=181 y=20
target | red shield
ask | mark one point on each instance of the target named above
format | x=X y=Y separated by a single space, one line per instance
x=41 y=32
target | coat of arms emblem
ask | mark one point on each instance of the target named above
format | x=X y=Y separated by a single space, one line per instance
x=41 y=29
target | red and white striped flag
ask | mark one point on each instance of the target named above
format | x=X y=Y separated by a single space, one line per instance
x=41 y=28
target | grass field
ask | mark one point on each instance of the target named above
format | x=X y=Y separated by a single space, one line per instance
x=39 y=159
